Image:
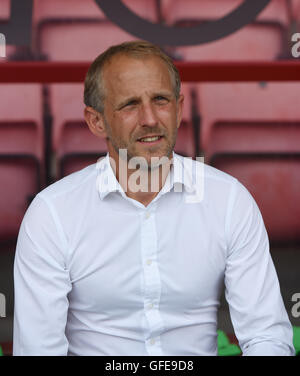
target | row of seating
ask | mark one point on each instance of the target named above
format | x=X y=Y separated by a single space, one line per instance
x=265 y=157
x=214 y=115
x=167 y=10
x=262 y=111
x=76 y=30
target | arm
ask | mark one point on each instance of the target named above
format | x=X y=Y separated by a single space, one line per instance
x=42 y=283
x=252 y=290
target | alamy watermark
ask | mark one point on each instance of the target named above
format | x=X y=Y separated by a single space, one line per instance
x=2 y=45
x=146 y=176
x=2 y=306
x=296 y=46
x=296 y=307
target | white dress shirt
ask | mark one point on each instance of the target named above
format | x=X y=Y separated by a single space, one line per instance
x=98 y=273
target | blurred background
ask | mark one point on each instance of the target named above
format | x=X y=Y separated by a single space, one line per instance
x=249 y=130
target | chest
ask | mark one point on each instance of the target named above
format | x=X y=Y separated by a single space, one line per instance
x=183 y=263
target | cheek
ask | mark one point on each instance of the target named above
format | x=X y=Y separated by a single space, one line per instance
x=168 y=117
x=124 y=124
x=128 y=117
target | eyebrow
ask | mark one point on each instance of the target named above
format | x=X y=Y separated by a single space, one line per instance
x=166 y=94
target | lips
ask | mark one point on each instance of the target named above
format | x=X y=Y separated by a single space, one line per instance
x=150 y=139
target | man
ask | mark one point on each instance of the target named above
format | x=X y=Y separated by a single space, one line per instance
x=108 y=265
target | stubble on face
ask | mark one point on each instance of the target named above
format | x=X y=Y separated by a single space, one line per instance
x=119 y=144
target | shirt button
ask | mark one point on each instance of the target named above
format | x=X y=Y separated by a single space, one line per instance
x=152 y=341
x=149 y=262
x=150 y=306
x=147 y=215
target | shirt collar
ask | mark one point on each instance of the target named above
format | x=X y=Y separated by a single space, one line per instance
x=180 y=175
x=106 y=179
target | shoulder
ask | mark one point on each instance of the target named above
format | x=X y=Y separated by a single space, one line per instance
x=226 y=186
x=76 y=181
x=56 y=204
x=208 y=173
x=65 y=196
x=217 y=188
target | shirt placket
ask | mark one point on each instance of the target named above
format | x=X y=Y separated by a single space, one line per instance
x=152 y=282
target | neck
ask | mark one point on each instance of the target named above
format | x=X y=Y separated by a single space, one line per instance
x=141 y=184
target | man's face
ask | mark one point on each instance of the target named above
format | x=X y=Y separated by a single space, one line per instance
x=141 y=113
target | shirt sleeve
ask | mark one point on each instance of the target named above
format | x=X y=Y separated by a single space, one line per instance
x=252 y=289
x=41 y=283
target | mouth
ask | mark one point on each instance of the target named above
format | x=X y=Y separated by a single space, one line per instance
x=150 y=140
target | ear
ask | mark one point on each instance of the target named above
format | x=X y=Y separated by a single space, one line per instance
x=95 y=122
x=180 y=103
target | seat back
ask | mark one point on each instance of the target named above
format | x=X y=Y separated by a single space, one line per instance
x=273 y=180
x=175 y=10
x=247 y=103
x=19 y=183
x=78 y=147
x=254 y=136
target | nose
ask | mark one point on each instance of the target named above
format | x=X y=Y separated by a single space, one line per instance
x=148 y=115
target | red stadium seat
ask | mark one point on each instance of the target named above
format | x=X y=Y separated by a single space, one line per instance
x=265 y=39
x=20 y=171
x=273 y=180
x=253 y=42
x=71 y=135
x=19 y=183
x=45 y=9
x=19 y=137
x=5 y=10
x=21 y=151
x=78 y=147
x=21 y=119
x=174 y=10
x=82 y=41
x=254 y=136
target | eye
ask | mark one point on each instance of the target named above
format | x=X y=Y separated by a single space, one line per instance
x=131 y=103
x=161 y=99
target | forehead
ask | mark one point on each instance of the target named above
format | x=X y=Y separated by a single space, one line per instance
x=124 y=74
